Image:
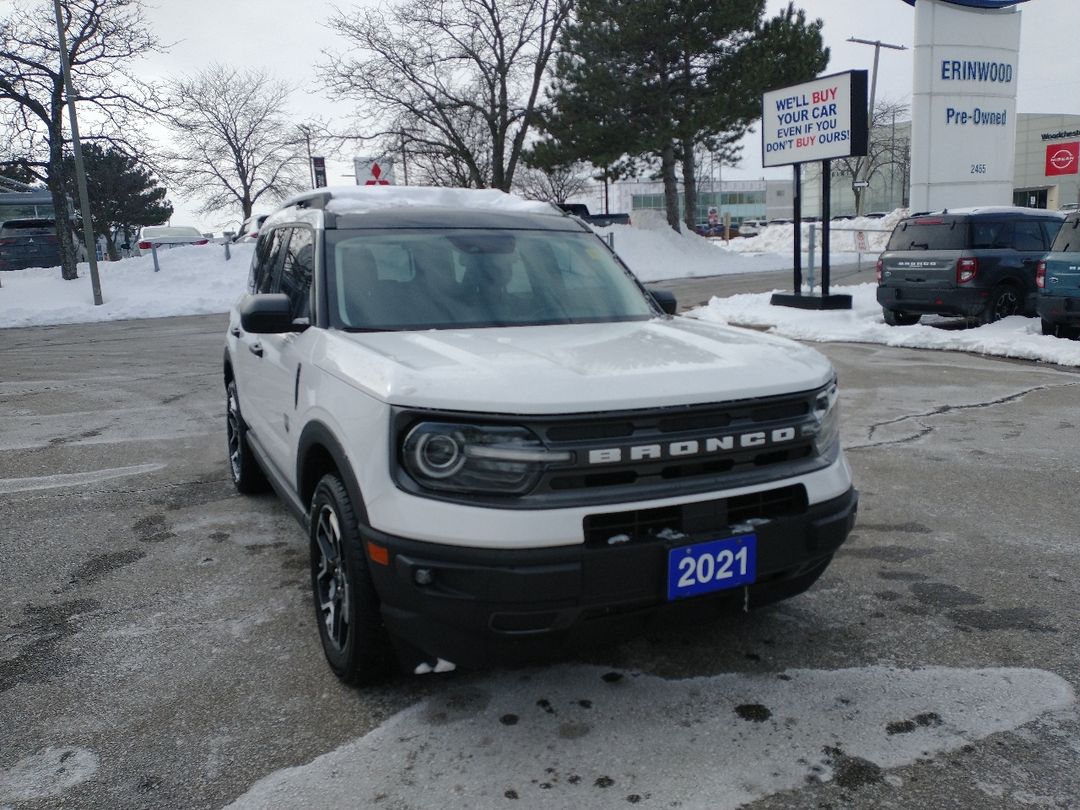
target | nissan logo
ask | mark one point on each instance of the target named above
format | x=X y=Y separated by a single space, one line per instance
x=1062 y=159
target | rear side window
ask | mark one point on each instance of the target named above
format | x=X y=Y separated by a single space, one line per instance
x=267 y=253
x=1068 y=238
x=297 y=269
x=929 y=234
x=1028 y=235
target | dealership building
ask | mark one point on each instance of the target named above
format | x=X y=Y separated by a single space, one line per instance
x=1046 y=174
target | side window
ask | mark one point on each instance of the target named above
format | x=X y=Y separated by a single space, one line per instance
x=1051 y=228
x=1028 y=236
x=297 y=269
x=267 y=255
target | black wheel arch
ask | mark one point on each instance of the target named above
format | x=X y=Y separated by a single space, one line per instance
x=319 y=452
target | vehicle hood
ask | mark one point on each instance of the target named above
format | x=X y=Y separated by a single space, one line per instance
x=571 y=369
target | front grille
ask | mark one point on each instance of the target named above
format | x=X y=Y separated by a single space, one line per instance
x=654 y=449
x=686 y=520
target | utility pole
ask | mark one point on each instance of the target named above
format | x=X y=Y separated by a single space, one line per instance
x=878 y=45
x=80 y=171
x=306 y=130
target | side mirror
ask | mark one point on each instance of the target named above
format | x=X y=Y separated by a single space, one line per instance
x=269 y=314
x=665 y=299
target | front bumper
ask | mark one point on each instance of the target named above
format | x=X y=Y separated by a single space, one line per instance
x=479 y=607
x=967 y=302
x=1059 y=309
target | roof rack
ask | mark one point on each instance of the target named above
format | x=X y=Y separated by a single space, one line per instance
x=316 y=198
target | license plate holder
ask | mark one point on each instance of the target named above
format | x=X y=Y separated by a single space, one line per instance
x=714 y=565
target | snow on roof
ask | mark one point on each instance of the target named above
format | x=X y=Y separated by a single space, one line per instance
x=990 y=209
x=358 y=199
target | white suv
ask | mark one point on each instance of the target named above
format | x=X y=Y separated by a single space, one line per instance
x=500 y=444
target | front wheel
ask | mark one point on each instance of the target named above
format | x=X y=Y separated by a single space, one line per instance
x=246 y=474
x=894 y=317
x=354 y=639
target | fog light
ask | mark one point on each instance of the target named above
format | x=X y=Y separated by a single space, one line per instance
x=423 y=576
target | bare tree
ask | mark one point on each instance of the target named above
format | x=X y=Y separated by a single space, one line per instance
x=883 y=152
x=105 y=38
x=557 y=184
x=234 y=142
x=459 y=78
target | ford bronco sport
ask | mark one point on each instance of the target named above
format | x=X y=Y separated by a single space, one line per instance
x=499 y=443
x=977 y=263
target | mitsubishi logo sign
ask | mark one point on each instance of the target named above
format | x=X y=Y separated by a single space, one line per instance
x=1063 y=158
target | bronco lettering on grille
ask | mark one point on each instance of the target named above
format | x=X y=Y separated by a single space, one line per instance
x=692 y=447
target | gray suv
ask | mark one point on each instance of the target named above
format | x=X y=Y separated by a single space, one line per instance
x=975 y=263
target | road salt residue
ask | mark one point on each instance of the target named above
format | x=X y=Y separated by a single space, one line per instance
x=577 y=736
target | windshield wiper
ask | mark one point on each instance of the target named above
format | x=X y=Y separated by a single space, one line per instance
x=919 y=245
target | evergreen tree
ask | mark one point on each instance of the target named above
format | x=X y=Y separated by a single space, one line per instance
x=655 y=79
x=123 y=194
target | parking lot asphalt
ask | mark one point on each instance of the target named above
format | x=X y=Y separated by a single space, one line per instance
x=159 y=647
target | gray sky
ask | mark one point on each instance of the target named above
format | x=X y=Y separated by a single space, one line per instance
x=287 y=38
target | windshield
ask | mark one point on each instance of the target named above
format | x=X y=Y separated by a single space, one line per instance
x=451 y=278
x=1068 y=238
x=929 y=234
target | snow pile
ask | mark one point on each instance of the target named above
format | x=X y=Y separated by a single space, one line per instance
x=1017 y=337
x=194 y=280
x=779 y=238
x=655 y=252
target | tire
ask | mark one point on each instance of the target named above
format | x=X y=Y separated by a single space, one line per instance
x=247 y=475
x=347 y=612
x=1004 y=302
x=894 y=317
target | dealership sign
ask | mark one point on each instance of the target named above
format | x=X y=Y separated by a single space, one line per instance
x=963 y=111
x=818 y=120
x=979 y=3
x=1063 y=158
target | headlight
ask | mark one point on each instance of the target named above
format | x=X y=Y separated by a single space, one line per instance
x=454 y=457
x=826 y=429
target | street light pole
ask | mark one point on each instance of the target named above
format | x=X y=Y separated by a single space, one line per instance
x=76 y=148
x=878 y=45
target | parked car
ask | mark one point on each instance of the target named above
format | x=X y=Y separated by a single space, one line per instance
x=716 y=230
x=975 y=263
x=501 y=446
x=29 y=243
x=164 y=237
x=1058 y=281
x=249 y=231
x=752 y=227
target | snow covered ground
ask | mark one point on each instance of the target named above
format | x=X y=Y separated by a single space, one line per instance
x=198 y=280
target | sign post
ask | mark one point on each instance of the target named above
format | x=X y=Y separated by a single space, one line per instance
x=815 y=121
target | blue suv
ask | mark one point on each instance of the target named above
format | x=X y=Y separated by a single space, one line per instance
x=1058 y=281
x=976 y=263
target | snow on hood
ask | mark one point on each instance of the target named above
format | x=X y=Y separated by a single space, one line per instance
x=578 y=368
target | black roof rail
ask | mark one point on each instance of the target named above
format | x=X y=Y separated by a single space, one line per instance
x=317 y=198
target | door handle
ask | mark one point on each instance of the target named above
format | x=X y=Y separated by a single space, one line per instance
x=235 y=331
x=256 y=349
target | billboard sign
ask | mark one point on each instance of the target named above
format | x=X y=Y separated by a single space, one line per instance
x=318 y=170
x=818 y=120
